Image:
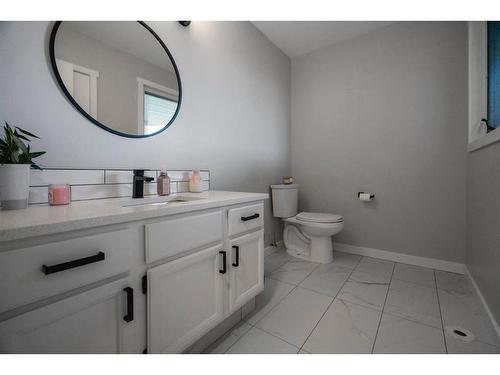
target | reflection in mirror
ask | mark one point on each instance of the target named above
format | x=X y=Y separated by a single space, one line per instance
x=120 y=75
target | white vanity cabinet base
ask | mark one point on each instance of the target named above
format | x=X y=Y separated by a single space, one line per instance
x=185 y=300
x=77 y=302
x=90 y=322
x=246 y=269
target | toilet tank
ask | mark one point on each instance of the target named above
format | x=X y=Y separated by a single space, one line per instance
x=285 y=200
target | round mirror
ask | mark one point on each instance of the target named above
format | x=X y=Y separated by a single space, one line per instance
x=119 y=75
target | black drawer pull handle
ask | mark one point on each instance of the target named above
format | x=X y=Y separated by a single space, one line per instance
x=72 y=264
x=130 y=304
x=246 y=218
x=224 y=260
x=237 y=251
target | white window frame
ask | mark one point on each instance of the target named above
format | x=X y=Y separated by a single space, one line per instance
x=144 y=85
x=478 y=87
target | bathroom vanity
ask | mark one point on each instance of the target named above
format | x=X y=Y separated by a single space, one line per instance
x=128 y=275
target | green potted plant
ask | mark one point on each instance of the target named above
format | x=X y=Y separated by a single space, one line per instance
x=16 y=159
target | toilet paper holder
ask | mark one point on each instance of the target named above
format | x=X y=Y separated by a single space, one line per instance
x=372 y=196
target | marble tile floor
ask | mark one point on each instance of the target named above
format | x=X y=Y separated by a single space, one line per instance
x=360 y=305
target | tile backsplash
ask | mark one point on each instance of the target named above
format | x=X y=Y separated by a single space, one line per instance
x=89 y=184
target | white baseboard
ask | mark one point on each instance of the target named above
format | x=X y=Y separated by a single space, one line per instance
x=438 y=264
x=483 y=301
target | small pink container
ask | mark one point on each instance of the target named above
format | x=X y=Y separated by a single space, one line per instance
x=59 y=194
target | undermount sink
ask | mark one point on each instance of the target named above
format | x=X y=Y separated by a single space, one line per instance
x=158 y=201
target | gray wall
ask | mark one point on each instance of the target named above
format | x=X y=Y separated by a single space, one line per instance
x=118 y=72
x=483 y=223
x=234 y=118
x=386 y=113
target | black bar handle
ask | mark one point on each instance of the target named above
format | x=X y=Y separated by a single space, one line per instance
x=130 y=304
x=237 y=251
x=72 y=264
x=224 y=260
x=246 y=218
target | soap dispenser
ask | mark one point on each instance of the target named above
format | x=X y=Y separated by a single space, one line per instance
x=163 y=183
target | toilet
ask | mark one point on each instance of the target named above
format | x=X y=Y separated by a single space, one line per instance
x=307 y=235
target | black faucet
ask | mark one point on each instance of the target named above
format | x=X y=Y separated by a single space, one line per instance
x=138 y=183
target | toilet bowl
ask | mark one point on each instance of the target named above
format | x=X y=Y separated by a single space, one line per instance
x=307 y=235
x=311 y=240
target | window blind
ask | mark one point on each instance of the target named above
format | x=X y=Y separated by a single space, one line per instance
x=158 y=111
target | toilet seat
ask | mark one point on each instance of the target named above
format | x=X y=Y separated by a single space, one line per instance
x=317 y=217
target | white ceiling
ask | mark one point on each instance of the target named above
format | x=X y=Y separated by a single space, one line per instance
x=296 y=38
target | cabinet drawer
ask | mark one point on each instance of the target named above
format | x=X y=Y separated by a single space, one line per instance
x=243 y=219
x=177 y=235
x=24 y=280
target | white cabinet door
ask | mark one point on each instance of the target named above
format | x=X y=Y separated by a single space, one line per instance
x=185 y=300
x=246 y=269
x=90 y=322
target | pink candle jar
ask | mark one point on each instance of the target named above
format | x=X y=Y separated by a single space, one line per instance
x=195 y=184
x=59 y=194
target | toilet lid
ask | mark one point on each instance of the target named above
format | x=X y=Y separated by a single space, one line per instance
x=317 y=217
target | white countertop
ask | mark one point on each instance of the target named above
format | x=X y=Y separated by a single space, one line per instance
x=39 y=220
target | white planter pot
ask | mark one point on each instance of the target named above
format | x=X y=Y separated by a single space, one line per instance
x=14 y=186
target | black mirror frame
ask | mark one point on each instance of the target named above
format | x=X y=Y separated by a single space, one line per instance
x=89 y=117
